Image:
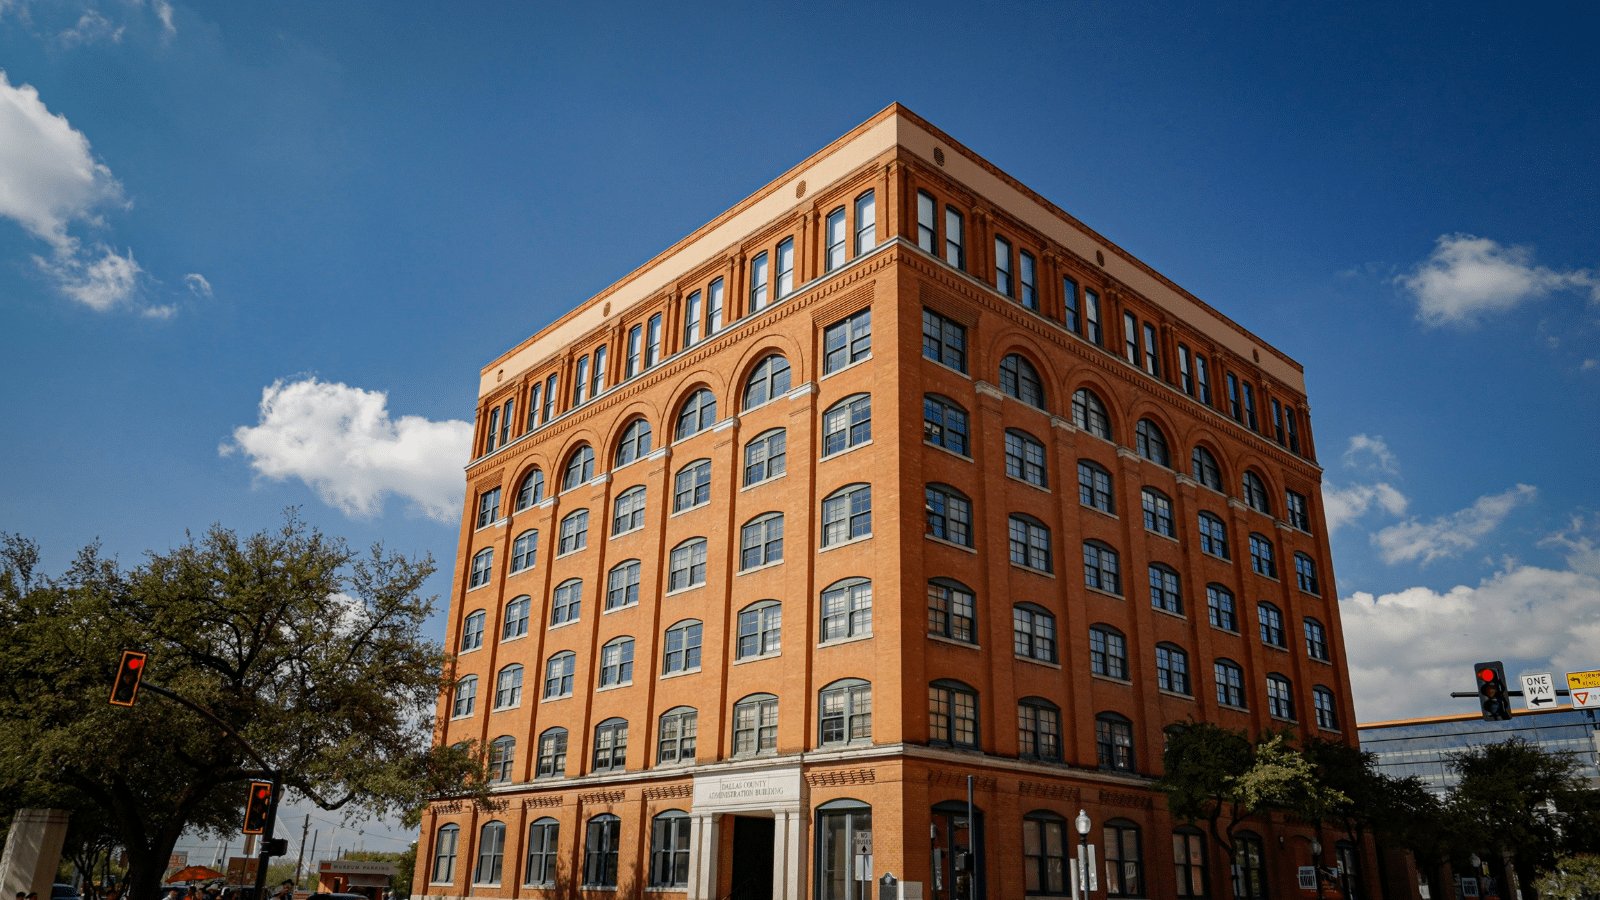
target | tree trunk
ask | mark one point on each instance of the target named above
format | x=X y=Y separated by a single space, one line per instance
x=1526 y=877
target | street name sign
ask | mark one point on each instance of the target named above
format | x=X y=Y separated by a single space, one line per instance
x=1539 y=691
x=1585 y=689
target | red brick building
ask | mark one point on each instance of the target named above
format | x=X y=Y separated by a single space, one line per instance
x=893 y=474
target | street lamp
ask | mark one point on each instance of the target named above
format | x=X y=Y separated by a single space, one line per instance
x=1316 y=864
x=1086 y=880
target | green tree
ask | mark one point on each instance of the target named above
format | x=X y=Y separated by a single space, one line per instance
x=306 y=649
x=1573 y=878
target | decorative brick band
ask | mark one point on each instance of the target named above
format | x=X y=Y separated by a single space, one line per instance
x=603 y=797
x=1127 y=801
x=1049 y=791
x=841 y=777
x=669 y=792
x=942 y=776
x=541 y=802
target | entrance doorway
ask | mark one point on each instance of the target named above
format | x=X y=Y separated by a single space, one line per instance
x=959 y=870
x=752 y=858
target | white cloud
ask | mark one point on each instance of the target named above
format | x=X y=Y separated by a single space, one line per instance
x=1341 y=506
x=99 y=283
x=1466 y=277
x=198 y=285
x=92 y=28
x=341 y=442
x=1371 y=445
x=1449 y=535
x=164 y=13
x=1408 y=650
x=48 y=177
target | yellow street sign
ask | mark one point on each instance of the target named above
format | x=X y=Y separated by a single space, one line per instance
x=1585 y=689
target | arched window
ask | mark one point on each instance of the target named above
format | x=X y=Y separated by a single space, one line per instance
x=567 y=602
x=574 y=532
x=1230 y=683
x=1020 y=379
x=691 y=487
x=765 y=456
x=1262 y=558
x=761 y=541
x=1213 y=535
x=602 y=840
x=1164 y=589
x=687 y=566
x=1025 y=458
x=491 y=853
x=1033 y=632
x=1151 y=443
x=1094 y=486
x=1157 y=512
x=544 y=842
x=531 y=491
x=1280 y=697
x=610 y=745
x=482 y=566
x=669 y=849
x=1220 y=606
x=1305 y=573
x=698 y=413
x=635 y=442
x=444 y=854
x=1108 y=652
x=1030 y=543
x=846 y=609
x=769 y=381
x=616 y=662
x=847 y=424
x=1327 y=716
x=844 y=845
x=558 y=673
x=844 y=712
x=622 y=585
x=472 y=630
x=502 y=753
x=944 y=423
x=847 y=514
x=508 y=687
x=1172 y=669
x=951 y=610
x=580 y=468
x=1038 y=729
x=524 y=550
x=1113 y=737
x=1249 y=867
x=676 y=734
x=1203 y=466
x=1255 y=493
x=682 y=650
x=1189 y=862
x=516 y=618
x=1045 y=843
x=760 y=626
x=1316 y=640
x=755 y=725
x=1271 y=619
x=952 y=714
x=1100 y=570
x=1089 y=414
x=553 y=753
x=466 y=697
x=627 y=514
x=949 y=514
x=1124 y=860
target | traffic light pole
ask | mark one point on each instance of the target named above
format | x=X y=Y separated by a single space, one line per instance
x=265 y=858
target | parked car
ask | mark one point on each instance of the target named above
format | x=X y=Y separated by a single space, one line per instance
x=63 y=892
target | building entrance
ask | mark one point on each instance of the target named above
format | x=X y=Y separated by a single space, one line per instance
x=752 y=858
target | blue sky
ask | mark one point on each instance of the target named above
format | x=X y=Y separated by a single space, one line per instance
x=352 y=207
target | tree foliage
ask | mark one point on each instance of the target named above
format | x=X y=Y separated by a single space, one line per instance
x=1573 y=878
x=309 y=651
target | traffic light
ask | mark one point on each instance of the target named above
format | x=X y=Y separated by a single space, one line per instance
x=129 y=671
x=1492 y=694
x=276 y=847
x=255 y=810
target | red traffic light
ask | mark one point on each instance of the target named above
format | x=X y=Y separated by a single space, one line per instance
x=256 y=809
x=1485 y=674
x=125 y=689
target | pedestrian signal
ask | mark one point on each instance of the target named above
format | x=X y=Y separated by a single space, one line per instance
x=1492 y=695
x=126 y=688
x=255 y=810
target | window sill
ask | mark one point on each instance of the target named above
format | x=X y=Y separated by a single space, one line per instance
x=514 y=638
x=848 y=450
x=1277 y=718
x=480 y=587
x=1098 y=511
x=765 y=565
x=943 y=449
x=572 y=621
x=497 y=523
x=1264 y=575
x=689 y=509
x=1167 y=612
x=1167 y=693
x=758 y=658
x=1228 y=631
x=555 y=699
x=1036 y=661
x=1278 y=647
x=680 y=673
x=1102 y=591
x=635 y=529
x=1040 y=572
x=1162 y=534
x=847 y=366
x=755 y=484
x=1230 y=706
x=684 y=590
x=1122 y=681
x=617 y=609
x=1318 y=659
x=1216 y=556
x=514 y=572
x=844 y=640
x=463 y=717
x=461 y=653
x=947 y=543
x=1037 y=487
x=966 y=645
x=854 y=540
x=1329 y=730
x=941 y=365
x=501 y=709
x=613 y=687
x=573 y=552
x=1311 y=593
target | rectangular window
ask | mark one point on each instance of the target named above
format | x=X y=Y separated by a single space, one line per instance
x=550 y=397
x=1091 y=318
x=691 y=320
x=927 y=222
x=846 y=342
x=488 y=507
x=714 y=308
x=505 y=422
x=836 y=235
x=950 y=612
x=533 y=405
x=1250 y=407
x=1185 y=371
x=1002 y=267
x=1030 y=281
x=1233 y=397
x=652 y=347
x=785 y=268
x=1299 y=517
x=1069 y=294
x=493 y=431
x=597 y=383
x=866 y=223
x=580 y=381
x=1152 y=355
x=1294 y=432
x=758 y=282
x=631 y=365
x=944 y=341
x=1277 y=420
x=1202 y=381
x=954 y=234
x=1130 y=339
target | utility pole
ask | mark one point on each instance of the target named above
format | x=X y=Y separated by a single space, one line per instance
x=302 y=857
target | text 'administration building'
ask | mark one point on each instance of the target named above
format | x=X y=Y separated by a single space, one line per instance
x=892 y=474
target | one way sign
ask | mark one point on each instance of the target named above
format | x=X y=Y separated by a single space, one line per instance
x=1539 y=691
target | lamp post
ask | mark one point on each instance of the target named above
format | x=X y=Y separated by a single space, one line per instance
x=1316 y=864
x=1086 y=881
